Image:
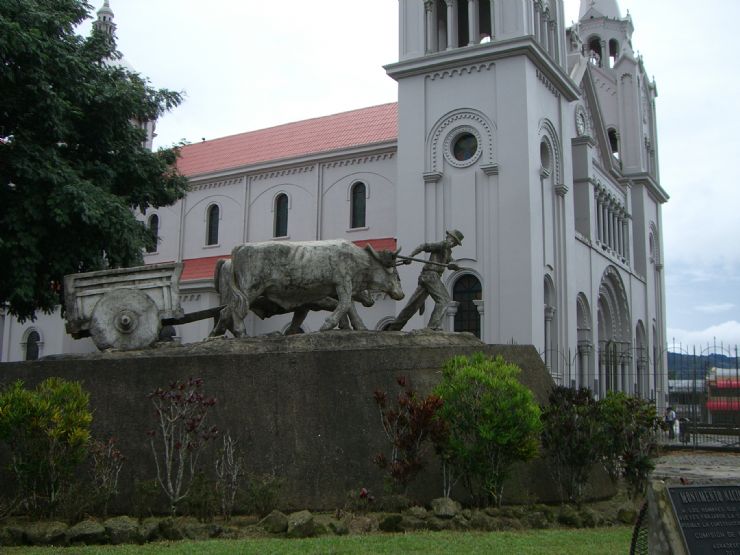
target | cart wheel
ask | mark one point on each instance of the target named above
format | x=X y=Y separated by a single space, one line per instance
x=125 y=319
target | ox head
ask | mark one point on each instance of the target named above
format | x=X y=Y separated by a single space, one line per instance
x=390 y=282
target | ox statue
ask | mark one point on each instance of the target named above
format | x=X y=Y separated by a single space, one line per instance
x=264 y=308
x=293 y=274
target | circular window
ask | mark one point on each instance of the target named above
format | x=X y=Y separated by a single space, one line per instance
x=465 y=147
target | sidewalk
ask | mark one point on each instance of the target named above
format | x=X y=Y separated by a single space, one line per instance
x=699 y=466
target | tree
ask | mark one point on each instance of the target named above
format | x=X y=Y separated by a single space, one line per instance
x=73 y=166
x=492 y=422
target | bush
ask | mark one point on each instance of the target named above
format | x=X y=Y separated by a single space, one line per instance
x=407 y=425
x=629 y=439
x=492 y=422
x=263 y=494
x=47 y=430
x=571 y=437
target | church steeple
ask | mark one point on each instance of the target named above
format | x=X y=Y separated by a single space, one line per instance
x=104 y=22
x=599 y=8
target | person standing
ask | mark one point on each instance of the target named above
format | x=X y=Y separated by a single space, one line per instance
x=670 y=420
x=430 y=282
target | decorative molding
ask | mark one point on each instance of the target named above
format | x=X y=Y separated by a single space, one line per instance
x=360 y=160
x=548 y=84
x=561 y=190
x=284 y=172
x=451 y=126
x=453 y=72
x=191 y=298
x=216 y=184
x=432 y=177
x=490 y=169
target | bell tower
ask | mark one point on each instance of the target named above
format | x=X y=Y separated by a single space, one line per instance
x=484 y=95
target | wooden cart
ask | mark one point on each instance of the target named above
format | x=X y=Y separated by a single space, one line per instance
x=126 y=308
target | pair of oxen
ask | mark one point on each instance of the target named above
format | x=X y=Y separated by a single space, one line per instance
x=296 y=277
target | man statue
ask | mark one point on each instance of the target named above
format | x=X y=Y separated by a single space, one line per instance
x=430 y=282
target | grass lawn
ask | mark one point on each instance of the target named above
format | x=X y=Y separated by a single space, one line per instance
x=593 y=541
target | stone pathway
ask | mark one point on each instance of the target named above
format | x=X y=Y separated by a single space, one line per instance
x=699 y=466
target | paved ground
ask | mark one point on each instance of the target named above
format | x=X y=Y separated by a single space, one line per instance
x=696 y=466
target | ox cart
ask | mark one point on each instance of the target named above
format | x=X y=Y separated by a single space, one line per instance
x=126 y=308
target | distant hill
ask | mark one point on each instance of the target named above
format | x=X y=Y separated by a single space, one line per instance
x=687 y=367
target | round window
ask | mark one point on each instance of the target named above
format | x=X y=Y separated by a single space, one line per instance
x=465 y=147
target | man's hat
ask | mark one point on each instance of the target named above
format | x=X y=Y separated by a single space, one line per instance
x=456 y=235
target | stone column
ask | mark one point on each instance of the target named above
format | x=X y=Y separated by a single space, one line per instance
x=451 y=24
x=549 y=315
x=537 y=21
x=450 y=314
x=480 y=305
x=431 y=28
x=473 y=23
x=492 y=5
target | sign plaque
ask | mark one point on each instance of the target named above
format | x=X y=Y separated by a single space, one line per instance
x=709 y=518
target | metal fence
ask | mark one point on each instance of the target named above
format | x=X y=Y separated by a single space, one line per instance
x=700 y=383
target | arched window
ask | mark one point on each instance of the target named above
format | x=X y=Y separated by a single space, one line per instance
x=613 y=52
x=154 y=230
x=594 y=52
x=466 y=290
x=32 y=345
x=281 y=215
x=357 y=217
x=214 y=214
x=614 y=142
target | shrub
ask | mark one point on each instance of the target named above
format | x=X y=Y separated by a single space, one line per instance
x=106 y=463
x=263 y=493
x=47 y=430
x=407 y=424
x=181 y=414
x=229 y=472
x=629 y=439
x=492 y=422
x=571 y=438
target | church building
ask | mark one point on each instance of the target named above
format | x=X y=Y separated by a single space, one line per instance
x=538 y=142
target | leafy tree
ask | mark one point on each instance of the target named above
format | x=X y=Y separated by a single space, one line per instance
x=73 y=165
x=47 y=430
x=492 y=422
x=571 y=437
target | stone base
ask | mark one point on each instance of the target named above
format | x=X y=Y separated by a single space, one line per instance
x=300 y=407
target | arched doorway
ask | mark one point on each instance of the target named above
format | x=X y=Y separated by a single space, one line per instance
x=615 y=335
x=467 y=289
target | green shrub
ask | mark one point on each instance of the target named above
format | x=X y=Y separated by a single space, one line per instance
x=262 y=494
x=492 y=422
x=47 y=430
x=571 y=438
x=629 y=439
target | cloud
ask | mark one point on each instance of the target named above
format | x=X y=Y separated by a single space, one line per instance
x=726 y=333
x=714 y=308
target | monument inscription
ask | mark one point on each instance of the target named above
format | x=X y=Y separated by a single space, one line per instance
x=709 y=517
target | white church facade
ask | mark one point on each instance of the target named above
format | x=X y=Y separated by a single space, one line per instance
x=538 y=142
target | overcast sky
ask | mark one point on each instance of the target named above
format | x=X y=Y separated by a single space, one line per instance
x=248 y=64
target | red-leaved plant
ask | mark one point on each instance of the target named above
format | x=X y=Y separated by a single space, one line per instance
x=181 y=413
x=408 y=424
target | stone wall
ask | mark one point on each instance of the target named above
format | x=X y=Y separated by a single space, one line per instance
x=299 y=406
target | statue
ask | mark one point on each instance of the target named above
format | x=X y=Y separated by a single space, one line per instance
x=430 y=283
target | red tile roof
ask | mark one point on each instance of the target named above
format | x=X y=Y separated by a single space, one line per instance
x=202 y=268
x=377 y=124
